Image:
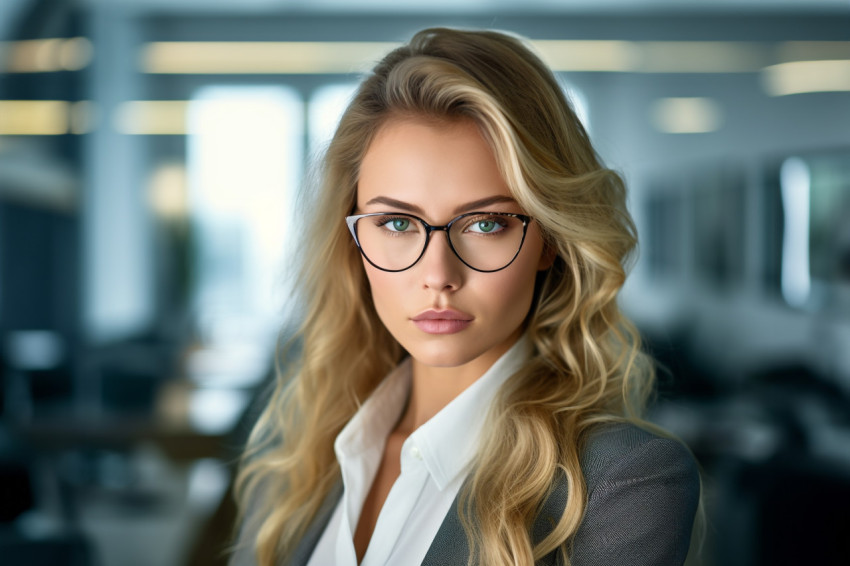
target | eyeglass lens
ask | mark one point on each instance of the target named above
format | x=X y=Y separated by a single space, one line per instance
x=486 y=242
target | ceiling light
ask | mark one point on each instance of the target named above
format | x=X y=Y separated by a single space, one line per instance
x=46 y=55
x=701 y=57
x=799 y=77
x=33 y=117
x=591 y=55
x=686 y=115
x=259 y=57
x=151 y=117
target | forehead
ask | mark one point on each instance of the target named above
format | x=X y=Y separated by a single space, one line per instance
x=435 y=166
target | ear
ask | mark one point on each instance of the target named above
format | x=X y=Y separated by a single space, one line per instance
x=547 y=257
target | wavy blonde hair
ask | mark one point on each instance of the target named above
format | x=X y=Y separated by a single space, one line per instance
x=587 y=366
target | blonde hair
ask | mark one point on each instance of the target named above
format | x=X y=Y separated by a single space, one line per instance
x=587 y=366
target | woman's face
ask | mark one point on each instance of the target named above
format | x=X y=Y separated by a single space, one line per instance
x=442 y=312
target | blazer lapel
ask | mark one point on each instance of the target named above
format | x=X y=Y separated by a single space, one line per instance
x=311 y=538
x=450 y=546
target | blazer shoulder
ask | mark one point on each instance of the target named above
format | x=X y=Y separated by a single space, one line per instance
x=643 y=490
x=625 y=445
x=642 y=494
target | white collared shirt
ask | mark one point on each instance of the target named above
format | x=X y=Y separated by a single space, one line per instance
x=434 y=464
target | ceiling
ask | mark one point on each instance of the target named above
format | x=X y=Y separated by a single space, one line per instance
x=11 y=10
x=483 y=6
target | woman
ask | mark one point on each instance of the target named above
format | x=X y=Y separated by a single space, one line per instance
x=467 y=391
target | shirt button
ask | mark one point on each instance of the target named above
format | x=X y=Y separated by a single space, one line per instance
x=415 y=452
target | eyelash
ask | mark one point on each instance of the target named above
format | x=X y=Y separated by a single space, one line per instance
x=383 y=220
x=469 y=221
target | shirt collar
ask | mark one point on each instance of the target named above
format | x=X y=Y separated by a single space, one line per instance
x=449 y=440
x=376 y=418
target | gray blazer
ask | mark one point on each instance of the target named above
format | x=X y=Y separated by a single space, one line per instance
x=643 y=492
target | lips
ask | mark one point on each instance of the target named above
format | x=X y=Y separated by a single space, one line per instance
x=442 y=322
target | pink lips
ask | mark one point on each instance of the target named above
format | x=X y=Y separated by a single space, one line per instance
x=441 y=322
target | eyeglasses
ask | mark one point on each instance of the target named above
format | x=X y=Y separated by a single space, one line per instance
x=483 y=241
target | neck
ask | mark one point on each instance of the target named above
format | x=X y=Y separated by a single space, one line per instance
x=432 y=388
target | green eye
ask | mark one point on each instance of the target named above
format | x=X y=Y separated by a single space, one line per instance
x=400 y=224
x=489 y=225
x=486 y=225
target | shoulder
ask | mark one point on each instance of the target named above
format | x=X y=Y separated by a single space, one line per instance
x=642 y=496
x=624 y=450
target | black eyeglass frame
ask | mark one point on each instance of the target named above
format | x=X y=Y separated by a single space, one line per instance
x=351 y=221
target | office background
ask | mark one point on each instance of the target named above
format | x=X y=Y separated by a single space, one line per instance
x=152 y=156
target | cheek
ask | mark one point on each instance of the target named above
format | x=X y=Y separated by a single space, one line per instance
x=381 y=288
x=515 y=292
x=510 y=292
x=516 y=286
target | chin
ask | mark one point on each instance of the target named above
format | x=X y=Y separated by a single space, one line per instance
x=444 y=358
x=446 y=353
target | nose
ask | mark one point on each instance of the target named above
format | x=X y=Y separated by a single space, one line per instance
x=441 y=269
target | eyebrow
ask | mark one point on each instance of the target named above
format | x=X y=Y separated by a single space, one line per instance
x=469 y=206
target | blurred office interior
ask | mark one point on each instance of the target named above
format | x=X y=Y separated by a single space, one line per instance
x=152 y=154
